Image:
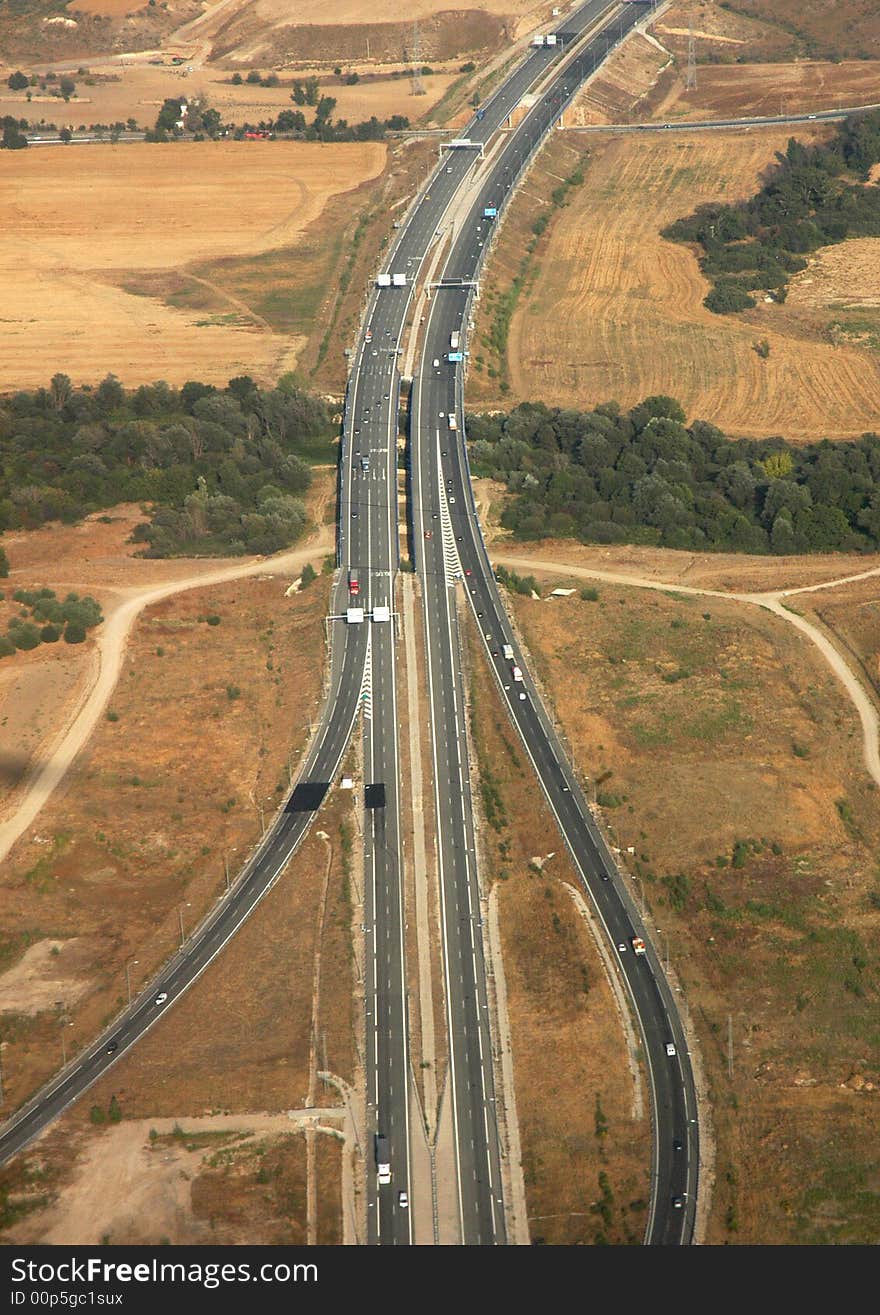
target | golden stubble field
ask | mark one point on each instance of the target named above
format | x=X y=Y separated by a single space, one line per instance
x=724 y=752
x=78 y=224
x=611 y=310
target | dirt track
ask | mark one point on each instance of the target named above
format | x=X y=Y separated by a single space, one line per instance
x=110 y=651
x=773 y=602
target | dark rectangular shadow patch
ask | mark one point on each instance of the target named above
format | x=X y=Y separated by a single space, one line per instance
x=307 y=797
x=374 y=795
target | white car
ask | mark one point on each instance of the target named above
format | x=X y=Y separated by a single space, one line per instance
x=161 y=998
x=622 y=947
x=403 y=1200
x=670 y=1049
x=436 y=362
x=521 y=694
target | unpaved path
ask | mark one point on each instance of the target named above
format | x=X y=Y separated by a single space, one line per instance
x=773 y=601
x=110 y=647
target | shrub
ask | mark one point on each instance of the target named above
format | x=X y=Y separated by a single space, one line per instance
x=25 y=636
x=74 y=633
x=213 y=620
x=50 y=634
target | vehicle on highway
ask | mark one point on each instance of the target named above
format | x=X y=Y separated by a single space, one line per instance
x=507 y=650
x=112 y=1047
x=429 y=534
x=517 y=673
x=678 y=1202
x=678 y=1145
x=383 y=1161
x=670 y=1049
x=161 y=998
x=436 y=362
x=402 y=1198
x=353 y=583
x=638 y=945
x=622 y=947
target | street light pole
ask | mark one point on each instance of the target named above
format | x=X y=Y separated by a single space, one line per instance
x=128 y=966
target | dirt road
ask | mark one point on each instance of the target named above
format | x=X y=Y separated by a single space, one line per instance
x=772 y=600
x=60 y=754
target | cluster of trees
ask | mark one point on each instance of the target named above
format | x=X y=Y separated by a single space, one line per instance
x=645 y=476
x=222 y=470
x=179 y=117
x=12 y=139
x=61 y=85
x=810 y=201
x=43 y=618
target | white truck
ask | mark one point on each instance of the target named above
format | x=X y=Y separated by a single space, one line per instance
x=453 y=423
x=383 y=1161
x=517 y=673
x=454 y=341
x=507 y=650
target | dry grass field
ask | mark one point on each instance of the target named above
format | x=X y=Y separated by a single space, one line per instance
x=168 y=789
x=739 y=91
x=726 y=755
x=79 y=226
x=611 y=310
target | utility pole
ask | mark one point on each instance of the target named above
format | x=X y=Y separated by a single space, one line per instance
x=690 y=82
x=128 y=966
x=730 y=1046
x=417 y=86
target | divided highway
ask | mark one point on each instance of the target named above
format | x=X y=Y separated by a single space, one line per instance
x=363 y=678
x=450 y=547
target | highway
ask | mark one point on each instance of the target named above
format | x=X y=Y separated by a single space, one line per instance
x=363 y=678
x=450 y=547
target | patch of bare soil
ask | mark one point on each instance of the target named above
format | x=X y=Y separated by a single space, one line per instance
x=725 y=757
x=584 y=1131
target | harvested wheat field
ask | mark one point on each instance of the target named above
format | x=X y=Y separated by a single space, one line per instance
x=75 y=225
x=613 y=310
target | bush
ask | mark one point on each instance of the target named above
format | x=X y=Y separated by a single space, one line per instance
x=7 y=648
x=590 y=595
x=4 y=564
x=50 y=634
x=727 y=298
x=308 y=575
x=74 y=633
x=25 y=636
x=213 y=620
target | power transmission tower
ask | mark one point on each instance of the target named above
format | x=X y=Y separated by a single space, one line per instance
x=417 y=88
x=690 y=82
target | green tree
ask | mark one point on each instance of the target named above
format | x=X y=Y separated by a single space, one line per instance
x=17 y=81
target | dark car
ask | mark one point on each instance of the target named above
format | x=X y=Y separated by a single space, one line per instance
x=112 y=1047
